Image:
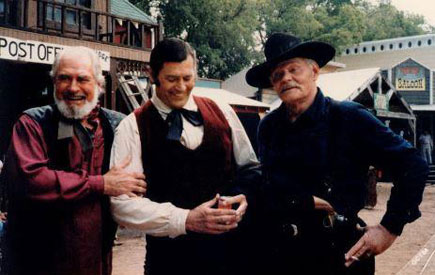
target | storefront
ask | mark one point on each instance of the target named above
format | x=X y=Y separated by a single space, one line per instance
x=408 y=63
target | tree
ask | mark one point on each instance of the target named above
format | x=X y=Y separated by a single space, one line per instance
x=226 y=33
x=339 y=22
x=220 y=31
x=385 y=21
x=335 y=22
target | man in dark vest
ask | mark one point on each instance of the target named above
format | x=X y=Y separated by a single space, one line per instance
x=58 y=179
x=190 y=149
x=315 y=153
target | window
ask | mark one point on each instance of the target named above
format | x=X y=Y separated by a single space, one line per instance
x=373 y=48
x=2 y=6
x=391 y=46
x=419 y=43
x=409 y=44
x=347 y=51
x=382 y=47
x=364 y=49
x=54 y=12
x=429 y=42
x=400 y=45
x=356 y=50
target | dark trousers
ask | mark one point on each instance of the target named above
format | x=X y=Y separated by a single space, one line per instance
x=315 y=250
x=190 y=255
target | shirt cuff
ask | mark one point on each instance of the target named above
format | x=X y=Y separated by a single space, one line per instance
x=177 y=222
x=97 y=183
x=394 y=221
x=393 y=224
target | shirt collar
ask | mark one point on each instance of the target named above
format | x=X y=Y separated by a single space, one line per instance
x=314 y=113
x=164 y=110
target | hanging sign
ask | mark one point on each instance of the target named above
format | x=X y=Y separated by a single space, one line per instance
x=381 y=102
x=39 y=52
x=410 y=78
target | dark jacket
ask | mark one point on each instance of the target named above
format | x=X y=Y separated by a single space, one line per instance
x=326 y=153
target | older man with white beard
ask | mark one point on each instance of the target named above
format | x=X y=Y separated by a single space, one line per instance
x=59 y=218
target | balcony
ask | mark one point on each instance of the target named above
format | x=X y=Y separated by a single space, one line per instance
x=61 y=18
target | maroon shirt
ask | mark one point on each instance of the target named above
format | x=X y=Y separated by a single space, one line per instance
x=56 y=216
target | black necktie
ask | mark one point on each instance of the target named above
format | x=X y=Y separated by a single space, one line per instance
x=176 y=123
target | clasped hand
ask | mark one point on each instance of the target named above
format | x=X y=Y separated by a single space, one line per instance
x=206 y=219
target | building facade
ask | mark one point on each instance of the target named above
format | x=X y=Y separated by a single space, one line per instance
x=33 y=31
x=409 y=65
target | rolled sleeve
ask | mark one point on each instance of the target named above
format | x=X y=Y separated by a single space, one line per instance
x=157 y=219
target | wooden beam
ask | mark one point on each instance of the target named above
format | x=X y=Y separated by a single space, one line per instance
x=80 y=25
x=26 y=13
x=380 y=83
x=142 y=35
x=44 y=16
x=62 y=19
x=369 y=88
x=97 y=27
x=388 y=114
x=6 y=11
x=390 y=93
x=112 y=37
x=128 y=32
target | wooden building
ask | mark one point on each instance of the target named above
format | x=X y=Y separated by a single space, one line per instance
x=33 y=31
x=408 y=63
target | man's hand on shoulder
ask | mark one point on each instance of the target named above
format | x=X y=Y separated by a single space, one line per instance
x=118 y=182
x=375 y=240
x=205 y=219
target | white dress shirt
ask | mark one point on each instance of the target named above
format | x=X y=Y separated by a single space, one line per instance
x=165 y=219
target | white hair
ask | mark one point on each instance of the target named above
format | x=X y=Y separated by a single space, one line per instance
x=75 y=112
x=311 y=61
x=80 y=50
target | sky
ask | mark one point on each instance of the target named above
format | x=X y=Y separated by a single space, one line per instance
x=423 y=7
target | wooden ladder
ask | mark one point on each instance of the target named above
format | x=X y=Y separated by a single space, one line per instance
x=133 y=90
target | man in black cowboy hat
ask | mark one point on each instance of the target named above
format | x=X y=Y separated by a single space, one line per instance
x=315 y=154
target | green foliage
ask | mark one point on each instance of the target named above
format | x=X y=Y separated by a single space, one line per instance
x=339 y=22
x=220 y=31
x=226 y=33
x=385 y=21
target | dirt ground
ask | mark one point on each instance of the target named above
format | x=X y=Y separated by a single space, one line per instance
x=414 y=236
x=128 y=257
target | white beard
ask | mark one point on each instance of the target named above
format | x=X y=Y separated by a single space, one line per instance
x=76 y=112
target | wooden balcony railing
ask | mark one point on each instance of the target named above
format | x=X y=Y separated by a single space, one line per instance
x=55 y=18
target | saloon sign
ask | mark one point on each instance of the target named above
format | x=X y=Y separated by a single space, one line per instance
x=38 y=52
x=410 y=78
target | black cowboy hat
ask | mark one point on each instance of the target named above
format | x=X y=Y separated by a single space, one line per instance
x=282 y=46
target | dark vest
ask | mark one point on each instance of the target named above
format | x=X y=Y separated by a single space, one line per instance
x=48 y=118
x=186 y=178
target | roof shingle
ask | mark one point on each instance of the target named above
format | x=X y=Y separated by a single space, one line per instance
x=126 y=9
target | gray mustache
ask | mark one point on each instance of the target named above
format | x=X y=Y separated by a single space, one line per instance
x=289 y=86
